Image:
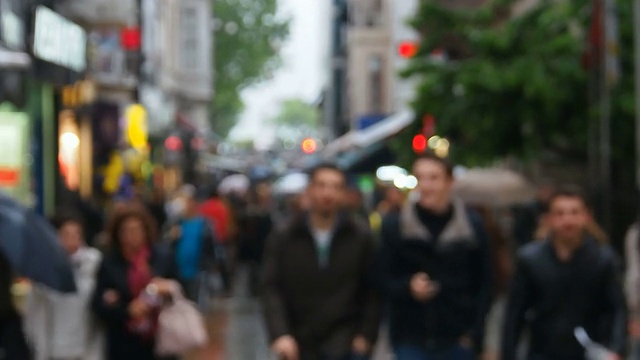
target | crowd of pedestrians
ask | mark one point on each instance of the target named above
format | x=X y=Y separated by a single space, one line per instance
x=425 y=267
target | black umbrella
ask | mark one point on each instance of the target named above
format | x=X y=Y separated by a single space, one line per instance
x=32 y=248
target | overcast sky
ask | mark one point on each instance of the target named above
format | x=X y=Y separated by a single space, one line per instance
x=303 y=74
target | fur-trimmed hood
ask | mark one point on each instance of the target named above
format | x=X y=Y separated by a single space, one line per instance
x=459 y=229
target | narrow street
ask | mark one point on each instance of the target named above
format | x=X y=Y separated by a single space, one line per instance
x=238 y=332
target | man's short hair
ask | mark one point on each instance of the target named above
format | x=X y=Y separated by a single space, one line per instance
x=444 y=162
x=326 y=166
x=569 y=191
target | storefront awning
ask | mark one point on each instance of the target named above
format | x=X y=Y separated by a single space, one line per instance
x=341 y=144
x=383 y=129
x=14 y=59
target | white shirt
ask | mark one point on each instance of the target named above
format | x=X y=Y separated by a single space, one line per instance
x=322 y=239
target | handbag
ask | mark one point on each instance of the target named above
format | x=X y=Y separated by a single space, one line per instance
x=181 y=327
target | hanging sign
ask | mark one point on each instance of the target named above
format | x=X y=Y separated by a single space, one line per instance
x=59 y=41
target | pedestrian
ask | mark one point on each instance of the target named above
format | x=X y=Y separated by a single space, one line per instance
x=564 y=282
x=254 y=232
x=62 y=326
x=435 y=270
x=192 y=238
x=632 y=284
x=217 y=211
x=319 y=301
x=130 y=283
x=13 y=344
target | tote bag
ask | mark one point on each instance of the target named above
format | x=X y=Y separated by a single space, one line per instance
x=181 y=327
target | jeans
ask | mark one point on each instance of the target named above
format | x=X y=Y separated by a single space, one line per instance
x=347 y=357
x=411 y=352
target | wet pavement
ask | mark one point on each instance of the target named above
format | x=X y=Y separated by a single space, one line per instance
x=238 y=333
x=237 y=330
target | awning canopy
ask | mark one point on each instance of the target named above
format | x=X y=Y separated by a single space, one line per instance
x=14 y=59
x=383 y=129
x=365 y=138
x=341 y=144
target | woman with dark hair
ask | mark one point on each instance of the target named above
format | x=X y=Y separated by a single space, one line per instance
x=12 y=341
x=131 y=282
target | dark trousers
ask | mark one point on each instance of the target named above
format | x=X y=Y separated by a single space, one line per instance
x=455 y=352
x=326 y=357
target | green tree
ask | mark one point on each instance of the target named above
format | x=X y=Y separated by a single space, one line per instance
x=248 y=36
x=296 y=120
x=516 y=86
x=295 y=112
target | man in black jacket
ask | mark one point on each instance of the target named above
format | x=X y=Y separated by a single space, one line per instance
x=435 y=270
x=319 y=301
x=562 y=283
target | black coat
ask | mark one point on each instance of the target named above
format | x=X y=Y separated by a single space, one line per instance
x=559 y=296
x=459 y=260
x=322 y=308
x=121 y=343
x=13 y=345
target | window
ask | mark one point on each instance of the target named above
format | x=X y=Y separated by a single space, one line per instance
x=375 y=70
x=189 y=54
x=374 y=13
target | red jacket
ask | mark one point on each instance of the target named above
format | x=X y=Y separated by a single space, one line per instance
x=218 y=213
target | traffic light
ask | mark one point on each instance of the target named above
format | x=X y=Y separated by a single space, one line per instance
x=309 y=146
x=407 y=49
x=419 y=143
x=173 y=143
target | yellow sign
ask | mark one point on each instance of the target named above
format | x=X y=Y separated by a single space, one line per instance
x=137 y=133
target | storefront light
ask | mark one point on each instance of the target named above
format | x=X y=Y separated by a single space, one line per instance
x=400 y=181
x=69 y=141
x=390 y=173
x=412 y=182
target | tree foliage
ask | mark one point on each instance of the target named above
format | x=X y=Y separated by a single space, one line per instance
x=296 y=112
x=296 y=120
x=517 y=87
x=248 y=35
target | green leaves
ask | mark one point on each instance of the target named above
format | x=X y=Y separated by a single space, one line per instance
x=518 y=86
x=248 y=35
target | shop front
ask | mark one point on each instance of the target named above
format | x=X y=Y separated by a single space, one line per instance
x=15 y=120
x=63 y=142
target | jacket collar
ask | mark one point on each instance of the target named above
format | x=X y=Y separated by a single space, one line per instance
x=458 y=229
x=301 y=224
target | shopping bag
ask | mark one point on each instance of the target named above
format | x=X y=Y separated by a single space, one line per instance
x=181 y=327
x=593 y=350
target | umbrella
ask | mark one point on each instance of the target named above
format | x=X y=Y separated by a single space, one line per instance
x=495 y=186
x=32 y=248
x=237 y=183
x=291 y=184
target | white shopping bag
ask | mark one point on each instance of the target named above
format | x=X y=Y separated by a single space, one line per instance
x=593 y=350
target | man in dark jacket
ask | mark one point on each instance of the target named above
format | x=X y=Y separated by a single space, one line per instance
x=565 y=282
x=319 y=301
x=435 y=270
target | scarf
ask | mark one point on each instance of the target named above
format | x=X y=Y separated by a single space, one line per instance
x=138 y=277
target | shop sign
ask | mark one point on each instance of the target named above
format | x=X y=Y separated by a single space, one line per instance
x=59 y=41
x=13 y=134
x=12 y=29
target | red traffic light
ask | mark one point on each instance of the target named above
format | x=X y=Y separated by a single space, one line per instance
x=407 y=49
x=173 y=143
x=419 y=143
x=130 y=38
x=309 y=146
